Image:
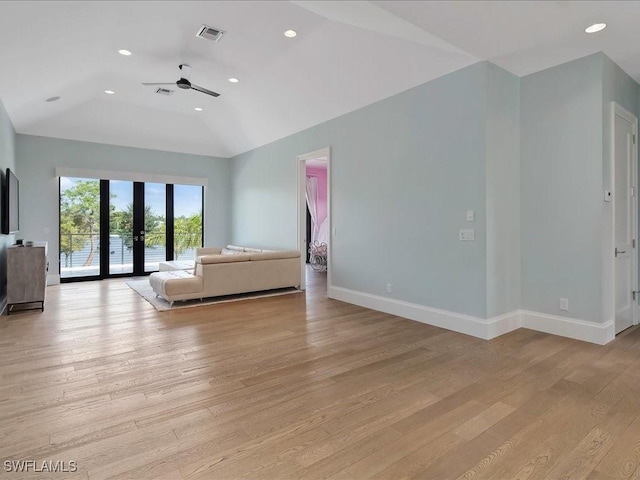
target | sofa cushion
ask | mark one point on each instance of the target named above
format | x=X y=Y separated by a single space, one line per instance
x=227 y=251
x=247 y=249
x=274 y=255
x=209 y=259
x=207 y=251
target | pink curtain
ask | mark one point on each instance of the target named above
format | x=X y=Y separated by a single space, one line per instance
x=312 y=202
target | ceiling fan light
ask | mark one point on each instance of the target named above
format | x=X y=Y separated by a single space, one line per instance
x=596 y=27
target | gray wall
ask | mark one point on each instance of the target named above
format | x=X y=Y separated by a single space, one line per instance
x=526 y=154
x=404 y=172
x=38 y=157
x=503 y=192
x=7 y=160
x=561 y=189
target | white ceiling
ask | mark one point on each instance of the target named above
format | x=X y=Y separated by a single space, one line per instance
x=346 y=55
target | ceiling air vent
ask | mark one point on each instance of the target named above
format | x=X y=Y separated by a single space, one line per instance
x=164 y=91
x=210 y=33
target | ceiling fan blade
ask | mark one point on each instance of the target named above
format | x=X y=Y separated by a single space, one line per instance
x=172 y=83
x=204 y=90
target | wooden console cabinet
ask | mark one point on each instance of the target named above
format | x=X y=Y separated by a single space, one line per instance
x=26 y=276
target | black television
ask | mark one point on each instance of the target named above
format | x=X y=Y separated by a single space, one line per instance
x=11 y=217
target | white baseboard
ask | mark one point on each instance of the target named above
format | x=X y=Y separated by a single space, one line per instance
x=53 y=279
x=502 y=324
x=600 y=333
x=481 y=327
x=467 y=324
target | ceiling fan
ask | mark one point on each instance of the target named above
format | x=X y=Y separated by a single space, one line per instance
x=184 y=82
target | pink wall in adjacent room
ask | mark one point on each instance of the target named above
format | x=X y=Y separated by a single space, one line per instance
x=321 y=174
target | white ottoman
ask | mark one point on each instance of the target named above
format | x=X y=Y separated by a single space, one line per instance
x=176 y=285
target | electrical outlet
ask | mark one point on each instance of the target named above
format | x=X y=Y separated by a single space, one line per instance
x=467 y=235
x=388 y=288
x=564 y=304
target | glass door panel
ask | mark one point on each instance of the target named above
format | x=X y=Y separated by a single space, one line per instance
x=120 y=227
x=187 y=211
x=155 y=241
x=79 y=227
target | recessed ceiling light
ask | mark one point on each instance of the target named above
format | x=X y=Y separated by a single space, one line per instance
x=234 y=80
x=109 y=92
x=596 y=27
x=290 y=33
x=124 y=52
x=198 y=109
x=53 y=99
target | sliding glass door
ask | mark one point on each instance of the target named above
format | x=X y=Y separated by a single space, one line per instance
x=122 y=228
x=79 y=228
x=155 y=225
x=187 y=208
x=120 y=200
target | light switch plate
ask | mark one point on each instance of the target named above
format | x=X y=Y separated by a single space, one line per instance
x=467 y=235
x=471 y=215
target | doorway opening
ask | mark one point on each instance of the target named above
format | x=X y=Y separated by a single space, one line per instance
x=314 y=216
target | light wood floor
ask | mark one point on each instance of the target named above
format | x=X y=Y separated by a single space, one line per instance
x=302 y=387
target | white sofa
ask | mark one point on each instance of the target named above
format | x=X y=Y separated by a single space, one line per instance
x=227 y=271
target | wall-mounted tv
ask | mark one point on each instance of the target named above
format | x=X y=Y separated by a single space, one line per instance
x=11 y=217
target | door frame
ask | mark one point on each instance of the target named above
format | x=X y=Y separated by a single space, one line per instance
x=301 y=161
x=139 y=203
x=618 y=110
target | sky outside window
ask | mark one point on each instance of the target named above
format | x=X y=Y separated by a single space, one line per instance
x=187 y=198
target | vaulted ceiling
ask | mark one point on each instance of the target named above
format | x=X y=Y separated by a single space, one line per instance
x=346 y=55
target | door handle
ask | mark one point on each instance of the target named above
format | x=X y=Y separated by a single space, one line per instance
x=618 y=252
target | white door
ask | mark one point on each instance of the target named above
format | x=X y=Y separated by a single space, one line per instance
x=624 y=221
